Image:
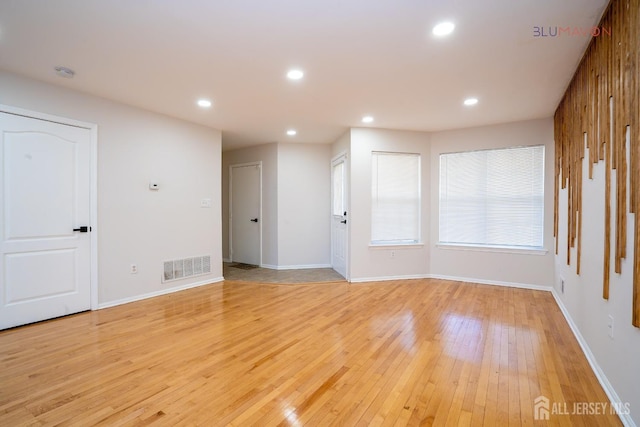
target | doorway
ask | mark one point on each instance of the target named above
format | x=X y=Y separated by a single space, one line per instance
x=339 y=224
x=245 y=214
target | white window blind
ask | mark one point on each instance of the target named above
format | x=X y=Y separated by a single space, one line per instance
x=395 y=194
x=493 y=197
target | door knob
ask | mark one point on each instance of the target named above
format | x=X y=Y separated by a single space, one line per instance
x=82 y=229
x=344 y=221
x=254 y=219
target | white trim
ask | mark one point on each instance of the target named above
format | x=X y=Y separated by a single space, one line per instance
x=295 y=267
x=93 y=189
x=503 y=250
x=159 y=293
x=595 y=367
x=387 y=278
x=343 y=153
x=94 y=217
x=378 y=246
x=493 y=282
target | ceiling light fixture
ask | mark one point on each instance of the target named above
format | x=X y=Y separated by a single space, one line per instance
x=295 y=74
x=204 y=103
x=367 y=119
x=470 y=101
x=64 y=72
x=443 y=29
x=291 y=132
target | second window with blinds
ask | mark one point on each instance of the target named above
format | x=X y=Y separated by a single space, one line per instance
x=493 y=198
x=395 y=198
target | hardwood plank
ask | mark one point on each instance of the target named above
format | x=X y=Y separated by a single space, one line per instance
x=394 y=353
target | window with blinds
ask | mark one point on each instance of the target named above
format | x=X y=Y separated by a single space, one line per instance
x=493 y=198
x=395 y=194
x=338 y=203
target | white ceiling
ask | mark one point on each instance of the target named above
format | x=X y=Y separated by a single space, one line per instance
x=375 y=57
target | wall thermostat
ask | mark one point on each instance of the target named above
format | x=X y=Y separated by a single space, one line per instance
x=154 y=186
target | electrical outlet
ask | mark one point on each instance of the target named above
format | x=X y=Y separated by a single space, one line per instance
x=610 y=326
x=393 y=254
x=133 y=269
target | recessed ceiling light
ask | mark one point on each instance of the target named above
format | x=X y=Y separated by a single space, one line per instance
x=291 y=132
x=295 y=74
x=443 y=29
x=367 y=119
x=470 y=101
x=65 y=72
x=204 y=103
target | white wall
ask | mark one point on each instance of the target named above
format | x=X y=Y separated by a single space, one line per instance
x=268 y=155
x=513 y=268
x=135 y=225
x=618 y=357
x=304 y=205
x=342 y=145
x=368 y=262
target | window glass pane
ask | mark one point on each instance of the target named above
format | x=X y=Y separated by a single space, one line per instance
x=338 y=189
x=395 y=194
x=493 y=197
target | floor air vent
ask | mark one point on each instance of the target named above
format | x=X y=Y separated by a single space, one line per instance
x=187 y=267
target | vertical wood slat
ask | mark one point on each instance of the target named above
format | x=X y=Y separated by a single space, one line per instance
x=607 y=222
x=634 y=112
x=601 y=102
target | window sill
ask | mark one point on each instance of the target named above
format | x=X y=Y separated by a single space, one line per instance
x=396 y=245
x=504 y=250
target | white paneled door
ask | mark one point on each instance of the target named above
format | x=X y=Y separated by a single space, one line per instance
x=245 y=213
x=44 y=217
x=339 y=216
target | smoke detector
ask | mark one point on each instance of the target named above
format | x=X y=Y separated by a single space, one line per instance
x=64 y=72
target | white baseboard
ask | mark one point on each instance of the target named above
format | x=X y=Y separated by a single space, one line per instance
x=158 y=293
x=295 y=267
x=595 y=367
x=387 y=278
x=493 y=282
x=455 y=279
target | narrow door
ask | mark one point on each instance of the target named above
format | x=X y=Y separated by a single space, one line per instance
x=339 y=216
x=245 y=214
x=44 y=205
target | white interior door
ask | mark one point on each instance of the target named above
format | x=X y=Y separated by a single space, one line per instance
x=245 y=213
x=45 y=195
x=339 y=209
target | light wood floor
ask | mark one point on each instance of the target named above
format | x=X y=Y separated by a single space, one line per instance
x=393 y=353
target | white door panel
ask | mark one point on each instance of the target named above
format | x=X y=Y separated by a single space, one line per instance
x=26 y=271
x=245 y=214
x=45 y=183
x=41 y=166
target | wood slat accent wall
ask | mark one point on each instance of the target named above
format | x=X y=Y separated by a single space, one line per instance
x=602 y=104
